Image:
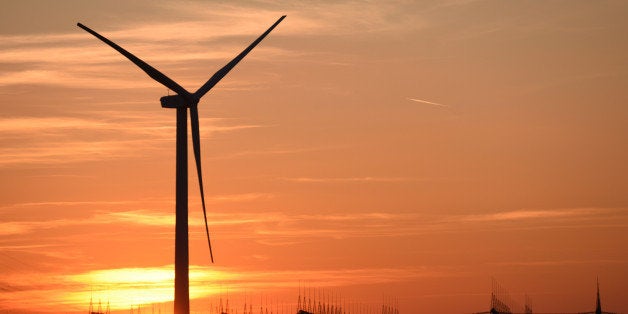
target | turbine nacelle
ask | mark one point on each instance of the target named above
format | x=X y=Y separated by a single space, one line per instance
x=173 y=101
x=177 y=101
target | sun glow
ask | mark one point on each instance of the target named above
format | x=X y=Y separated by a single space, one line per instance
x=127 y=287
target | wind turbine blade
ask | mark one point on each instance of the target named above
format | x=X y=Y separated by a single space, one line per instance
x=196 y=143
x=152 y=72
x=224 y=70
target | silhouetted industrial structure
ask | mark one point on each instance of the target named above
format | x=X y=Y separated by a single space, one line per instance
x=598 y=303
x=99 y=310
x=321 y=301
x=330 y=301
x=502 y=303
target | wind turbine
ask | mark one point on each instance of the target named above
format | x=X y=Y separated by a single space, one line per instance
x=182 y=101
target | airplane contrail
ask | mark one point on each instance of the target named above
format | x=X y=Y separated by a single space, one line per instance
x=428 y=102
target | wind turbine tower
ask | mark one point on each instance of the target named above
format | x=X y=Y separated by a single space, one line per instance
x=183 y=101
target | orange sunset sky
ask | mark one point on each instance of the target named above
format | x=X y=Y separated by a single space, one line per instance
x=377 y=150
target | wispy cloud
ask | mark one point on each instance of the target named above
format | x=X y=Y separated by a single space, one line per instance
x=38 y=124
x=382 y=224
x=70 y=203
x=531 y=214
x=544 y=263
x=125 y=287
x=23 y=227
x=9 y=228
x=276 y=151
x=54 y=140
x=352 y=179
x=278 y=227
x=428 y=102
x=70 y=152
x=77 y=59
x=118 y=212
x=239 y=197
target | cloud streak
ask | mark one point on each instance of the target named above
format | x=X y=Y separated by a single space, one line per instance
x=428 y=102
x=559 y=263
x=77 y=60
x=531 y=214
x=125 y=287
x=62 y=140
x=352 y=179
x=116 y=212
x=269 y=226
